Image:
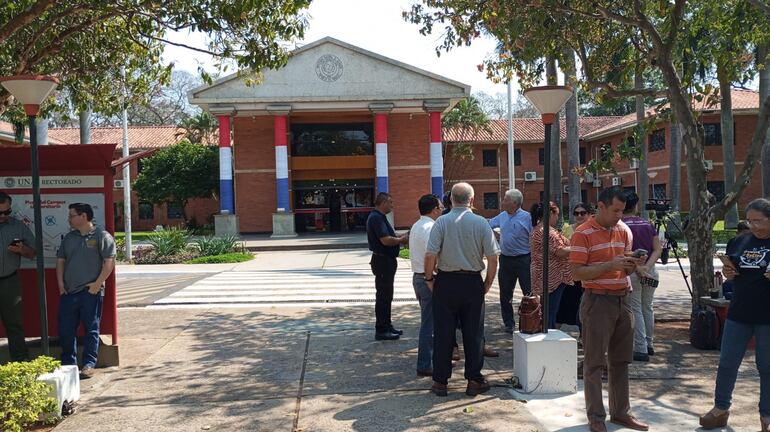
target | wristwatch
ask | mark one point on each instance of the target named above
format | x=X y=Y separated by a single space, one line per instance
x=428 y=280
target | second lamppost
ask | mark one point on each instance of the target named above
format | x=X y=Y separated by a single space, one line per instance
x=548 y=100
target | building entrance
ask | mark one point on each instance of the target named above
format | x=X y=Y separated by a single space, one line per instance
x=332 y=205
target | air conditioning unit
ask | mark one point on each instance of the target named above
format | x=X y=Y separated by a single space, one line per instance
x=530 y=176
x=616 y=181
x=597 y=182
x=117 y=184
x=589 y=177
x=634 y=164
x=565 y=188
x=708 y=164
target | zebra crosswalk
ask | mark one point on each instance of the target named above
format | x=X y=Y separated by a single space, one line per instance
x=265 y=288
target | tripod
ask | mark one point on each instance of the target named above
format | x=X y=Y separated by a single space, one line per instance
x=660 y=218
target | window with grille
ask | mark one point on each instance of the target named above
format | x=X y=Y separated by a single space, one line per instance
x=713 y=135
x=491 y=201
x=657 y=140
x=517 y=157
x=658 y=191
x=582 y=156
x=174 y=211
x=146 y=210
x=541 y=155
x=489 y=157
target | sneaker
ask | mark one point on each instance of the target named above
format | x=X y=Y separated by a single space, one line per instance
x=641 y=357
x=87 y=372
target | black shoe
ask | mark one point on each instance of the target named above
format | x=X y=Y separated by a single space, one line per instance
x=650 y=351
x=641 y=357
x=398 y=332
x=388 y=335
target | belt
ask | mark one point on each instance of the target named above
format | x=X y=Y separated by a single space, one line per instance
x=614 y=293
x=382 y=254
x=470 y=272
x=516 y=256
x=8 y=277
x=420 y=274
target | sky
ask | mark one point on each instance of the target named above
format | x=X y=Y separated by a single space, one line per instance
x=374 y=25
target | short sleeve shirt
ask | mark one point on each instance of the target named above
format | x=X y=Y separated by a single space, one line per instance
x=377 y=226
x=10 y=231
x=751 y=289
x=595 y=244
x=418 y=242
x=643 y=233
x=84 y=257
x=461 y=240
x=559 y=269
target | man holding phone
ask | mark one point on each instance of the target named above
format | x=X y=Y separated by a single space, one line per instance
x=16 y=241
x=598 y=259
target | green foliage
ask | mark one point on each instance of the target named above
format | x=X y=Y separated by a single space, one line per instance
x=404 y=253
x=120 y=246
x=201 y=129
x=178 y=173
x=210 y=245
x=23 y=399
x=470 y=121
x=85 y=41
x=169 y=242
x=234 y=257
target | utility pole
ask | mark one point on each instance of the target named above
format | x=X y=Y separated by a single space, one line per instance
x=126 y=175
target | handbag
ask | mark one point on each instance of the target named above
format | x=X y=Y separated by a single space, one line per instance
x=530 y=315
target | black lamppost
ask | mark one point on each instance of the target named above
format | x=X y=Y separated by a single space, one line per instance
x=548 y=100
x=31 y=91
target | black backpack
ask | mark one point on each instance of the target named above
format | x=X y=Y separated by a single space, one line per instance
x=705 y=328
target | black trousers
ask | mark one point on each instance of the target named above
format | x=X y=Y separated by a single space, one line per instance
x=11 y=316
x=384 y=270
x=512 y=269
x=458 y=296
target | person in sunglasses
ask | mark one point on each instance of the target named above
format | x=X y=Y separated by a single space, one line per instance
x=569 y=307
x=16 y=241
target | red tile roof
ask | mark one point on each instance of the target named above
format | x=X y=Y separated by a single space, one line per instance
x=8 y=136
x=139 y=137
x=526 y=130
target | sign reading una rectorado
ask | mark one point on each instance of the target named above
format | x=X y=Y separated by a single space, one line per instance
x=52 y=182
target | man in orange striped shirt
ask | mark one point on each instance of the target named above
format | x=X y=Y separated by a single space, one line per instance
x=598 y=259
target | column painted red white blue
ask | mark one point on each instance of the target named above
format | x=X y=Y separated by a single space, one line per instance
x=281 y=165
x=381 y=150
x=436 y=158
x=226 y=195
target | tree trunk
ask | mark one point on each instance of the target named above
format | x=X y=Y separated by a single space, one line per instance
x=764 y=92
x=556 y=189
x=85 y=126
x=573 y=139
x=728 y=144
x=674 y=168
x=643 y=179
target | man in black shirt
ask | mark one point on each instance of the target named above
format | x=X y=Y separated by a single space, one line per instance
x=384 y=246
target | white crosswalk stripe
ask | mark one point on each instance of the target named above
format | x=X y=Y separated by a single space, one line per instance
x=338 y=287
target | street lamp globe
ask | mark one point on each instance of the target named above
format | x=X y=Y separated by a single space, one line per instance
x=30 y=90
x=548 y=100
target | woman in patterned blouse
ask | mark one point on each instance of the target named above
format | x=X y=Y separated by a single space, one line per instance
x=559 y=271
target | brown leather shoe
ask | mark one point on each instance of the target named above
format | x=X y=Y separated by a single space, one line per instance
x=630 y=422
x=489 y=352
x=438 y=389
x=477 y=387
x=712 y=420
x=456 y=354
x=424 y=372
x=87 y=372
x=597 y=426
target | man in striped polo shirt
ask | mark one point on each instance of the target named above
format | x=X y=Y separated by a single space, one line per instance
x=598 y=260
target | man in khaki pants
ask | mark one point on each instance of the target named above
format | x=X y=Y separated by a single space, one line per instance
x=598 y=260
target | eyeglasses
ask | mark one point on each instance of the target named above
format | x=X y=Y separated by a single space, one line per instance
x=750 y=221
x=6 y=213
x=580 y=213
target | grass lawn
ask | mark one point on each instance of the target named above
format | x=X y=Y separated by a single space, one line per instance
x=234 y=257
x=135 y=235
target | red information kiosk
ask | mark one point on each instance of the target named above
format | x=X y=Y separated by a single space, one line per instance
x=69 y=174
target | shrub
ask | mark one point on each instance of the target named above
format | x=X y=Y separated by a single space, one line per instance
x=404 y=253
x=120 y=247
x=23 y=399
x=210 y=245
x=235 y=257
x=172 y=241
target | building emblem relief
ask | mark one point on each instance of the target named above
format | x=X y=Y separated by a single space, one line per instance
x=329 y=68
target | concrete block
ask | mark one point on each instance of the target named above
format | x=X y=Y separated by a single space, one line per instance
x=545 y=364
x=65 y=385
x=226 y=225
x=283 y=225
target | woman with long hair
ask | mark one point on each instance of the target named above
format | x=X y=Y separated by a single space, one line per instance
x=559 y=271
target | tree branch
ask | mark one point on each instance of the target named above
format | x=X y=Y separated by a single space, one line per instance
x=42 y=29
x=181 y=45
x=25 y=18
x=676 y=19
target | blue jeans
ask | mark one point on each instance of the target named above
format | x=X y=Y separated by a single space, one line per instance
x=554 y=299
x=425 y=343
x=735 y=338
x=74 y=309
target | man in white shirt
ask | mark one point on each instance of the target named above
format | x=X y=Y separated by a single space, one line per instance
x=430 y=209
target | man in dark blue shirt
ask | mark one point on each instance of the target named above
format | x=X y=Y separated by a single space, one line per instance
x=384 y=245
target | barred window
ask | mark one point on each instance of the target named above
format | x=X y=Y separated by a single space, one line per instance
x=491 y=201
x=657 y=140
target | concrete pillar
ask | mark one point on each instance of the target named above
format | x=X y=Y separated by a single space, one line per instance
x=381 y=111
x=226 y=193
x=434 y=109
x=283 y=218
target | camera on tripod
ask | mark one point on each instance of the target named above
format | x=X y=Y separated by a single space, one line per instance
x=658 y=205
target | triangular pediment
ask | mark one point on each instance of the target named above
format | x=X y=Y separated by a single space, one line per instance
x=331 y=71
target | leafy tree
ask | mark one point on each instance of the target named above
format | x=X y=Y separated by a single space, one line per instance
x=469 y=120
x=201 y=128
x=612 y=39
x=179 y=173
x=86 y=41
